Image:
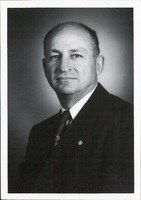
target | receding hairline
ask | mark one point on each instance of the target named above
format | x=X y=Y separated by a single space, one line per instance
x=74 y=25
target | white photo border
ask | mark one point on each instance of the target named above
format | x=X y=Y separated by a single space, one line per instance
x=136 y=5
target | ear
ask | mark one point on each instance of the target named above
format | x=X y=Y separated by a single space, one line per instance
x=99 y=64
x=44 y=66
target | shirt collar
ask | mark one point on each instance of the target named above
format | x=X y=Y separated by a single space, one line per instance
x=77 y=107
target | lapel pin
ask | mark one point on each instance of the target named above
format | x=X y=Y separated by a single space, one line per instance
x=80 y=142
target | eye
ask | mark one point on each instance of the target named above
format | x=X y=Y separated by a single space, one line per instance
x=74 y=56
x=54 y=57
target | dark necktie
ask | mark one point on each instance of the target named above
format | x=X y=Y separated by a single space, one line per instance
x=66 y=117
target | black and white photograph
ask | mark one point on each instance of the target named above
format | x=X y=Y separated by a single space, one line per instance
x=71 y=99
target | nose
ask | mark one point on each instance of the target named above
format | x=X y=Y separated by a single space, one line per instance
x=64 y=64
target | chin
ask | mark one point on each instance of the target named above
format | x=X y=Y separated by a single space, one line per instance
x=66 y=91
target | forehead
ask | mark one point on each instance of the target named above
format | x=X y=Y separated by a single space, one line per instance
x=69 y=36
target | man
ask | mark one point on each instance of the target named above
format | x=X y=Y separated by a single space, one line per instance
x=93 y=152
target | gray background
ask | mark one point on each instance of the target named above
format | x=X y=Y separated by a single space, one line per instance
x=30 y=98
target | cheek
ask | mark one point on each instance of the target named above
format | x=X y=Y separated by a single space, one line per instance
x=84 y=69
x=50 y=69
x=88 y=72
x=52 y=65
x=49 y=74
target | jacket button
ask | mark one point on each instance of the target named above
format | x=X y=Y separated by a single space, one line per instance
x=80 y=142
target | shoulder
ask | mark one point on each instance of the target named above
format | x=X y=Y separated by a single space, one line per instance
x=109 y=108
x=44 y=127
x=47 y=121
x=111 y=101
x=40 y=139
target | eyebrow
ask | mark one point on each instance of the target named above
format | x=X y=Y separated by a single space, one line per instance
x=55 y=51
x=71 y=50
x=78 y=49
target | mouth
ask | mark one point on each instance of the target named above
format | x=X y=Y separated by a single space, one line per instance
x=65 y=78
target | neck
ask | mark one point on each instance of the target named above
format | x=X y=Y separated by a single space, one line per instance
x=69 y=100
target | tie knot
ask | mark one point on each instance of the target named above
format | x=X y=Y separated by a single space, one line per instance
x=65 y=116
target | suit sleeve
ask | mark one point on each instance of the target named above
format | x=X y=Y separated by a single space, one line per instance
x=125 y=168
x=29 y=169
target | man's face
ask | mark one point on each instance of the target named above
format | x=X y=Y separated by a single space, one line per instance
x=70 y=64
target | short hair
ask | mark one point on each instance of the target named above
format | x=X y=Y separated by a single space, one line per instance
x=91 y=32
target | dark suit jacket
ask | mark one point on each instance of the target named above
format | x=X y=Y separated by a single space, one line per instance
x=95 y=154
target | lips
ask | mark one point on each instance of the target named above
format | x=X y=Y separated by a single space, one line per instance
x=64 y=78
